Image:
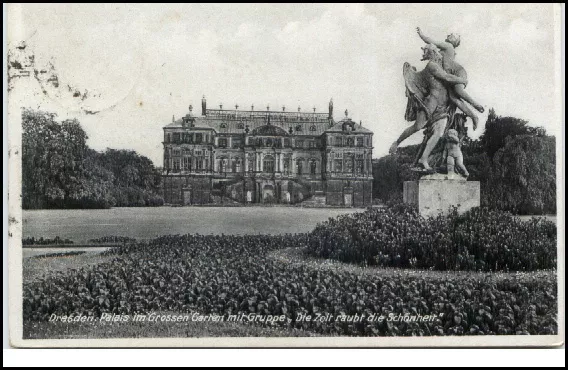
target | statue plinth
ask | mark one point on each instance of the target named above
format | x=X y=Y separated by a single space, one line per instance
x=435 y=194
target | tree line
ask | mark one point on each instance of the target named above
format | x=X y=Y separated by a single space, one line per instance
x=514 y=162
x=59 y=170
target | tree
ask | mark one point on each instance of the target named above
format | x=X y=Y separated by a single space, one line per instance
x=497 y=129
x=523 y=176
x=391 y=171
x=59 y=170
x=52 y=159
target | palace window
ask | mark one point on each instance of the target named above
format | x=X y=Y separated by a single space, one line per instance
x=338 y=165
x=177 y=152
x=198 y=138
x=176 y=137
x=339 y=141
x=312 y=127
x=168 y=138
x=299 y=143
x=359 y=166
x=223 y=165
x=187 y=163
x=251 y=164
x=313 y=167
x=350 y=141
x=312 y=144
x=299 y=166
x=237 y=167
x=286 y=143
x=237 y=142
x=268 y=164
x=349 y=165
x=359 y=141
x=176 y=164
x=286 y=168
x=199 y=164
x=222 y=143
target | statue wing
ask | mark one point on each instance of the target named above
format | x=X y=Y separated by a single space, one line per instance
x=416 y=91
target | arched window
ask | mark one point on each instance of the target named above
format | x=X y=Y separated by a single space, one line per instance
x=268 y=164
x=237 y=166
x=223 y=165
x=241 y=125
x=286 y=164
x=312 y=127
x=251 y=163
x=313 y=167
x=223 y=125
x=349 y=164
x=299 y=166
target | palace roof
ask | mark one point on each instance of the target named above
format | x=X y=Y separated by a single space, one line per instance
x=270 y=123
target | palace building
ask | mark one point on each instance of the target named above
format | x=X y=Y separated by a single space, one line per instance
x=267 y=156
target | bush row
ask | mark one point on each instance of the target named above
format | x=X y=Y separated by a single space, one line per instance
x=46 y=241
x=397 y=236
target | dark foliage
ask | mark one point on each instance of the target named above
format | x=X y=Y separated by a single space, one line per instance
x=61 y=254
x=60 y=171
x=479 y=240
x=227 y=275
x=498 y=129
x=113 y=239
x=47 y=241
x=523 y=176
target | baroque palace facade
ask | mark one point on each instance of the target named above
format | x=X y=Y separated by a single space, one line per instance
x=264 y=156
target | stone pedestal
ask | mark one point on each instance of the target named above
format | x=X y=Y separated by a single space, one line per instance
x=435 y=194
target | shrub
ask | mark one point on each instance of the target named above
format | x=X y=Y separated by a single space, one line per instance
x=481 y=239
x=113 y=239
x=47 y=241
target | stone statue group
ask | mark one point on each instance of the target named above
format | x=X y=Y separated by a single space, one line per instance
x=434 y=94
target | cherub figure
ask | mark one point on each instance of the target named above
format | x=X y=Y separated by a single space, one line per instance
x=457 y=92
x=453 y=153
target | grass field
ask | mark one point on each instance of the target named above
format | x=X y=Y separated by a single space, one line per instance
x=144 y=223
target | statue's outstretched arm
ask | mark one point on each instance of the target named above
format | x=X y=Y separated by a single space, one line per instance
x=439 y=44
x=438 y=72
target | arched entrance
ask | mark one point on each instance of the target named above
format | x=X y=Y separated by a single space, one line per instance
x=268 y=194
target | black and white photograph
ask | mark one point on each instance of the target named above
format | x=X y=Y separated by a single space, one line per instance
x=285 y=175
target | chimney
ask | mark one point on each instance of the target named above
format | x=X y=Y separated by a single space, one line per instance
x=203 y=106
x=331 y=108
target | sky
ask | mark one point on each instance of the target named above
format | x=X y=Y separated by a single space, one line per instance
x=142 y=64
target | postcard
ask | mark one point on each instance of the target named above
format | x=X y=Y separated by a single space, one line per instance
x=285 y=175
